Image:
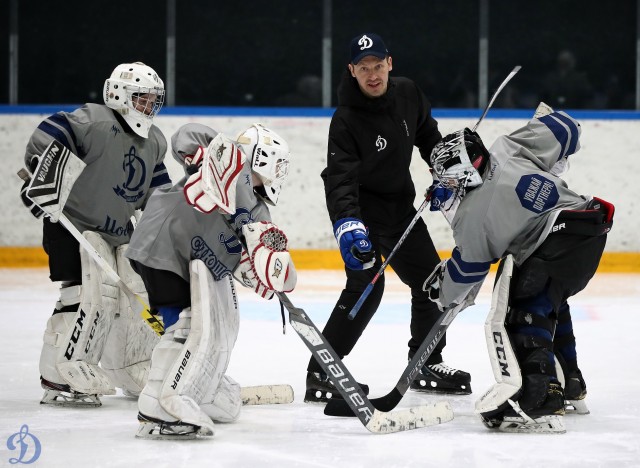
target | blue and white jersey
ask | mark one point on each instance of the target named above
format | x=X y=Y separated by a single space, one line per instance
x=122 y=168
x=514 y=209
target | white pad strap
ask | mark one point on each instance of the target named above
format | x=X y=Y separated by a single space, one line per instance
x=503 y=359
x=271 y=261
x=83 y=345
x=214 y=185
x=205 y=354
x=127 y=353
x=223 y=404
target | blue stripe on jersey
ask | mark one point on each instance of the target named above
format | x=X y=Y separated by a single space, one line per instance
x=466 y=272
x=558 y=131
x=55 y=133
x=573 y=133
x=160 y=176
x=62 y=122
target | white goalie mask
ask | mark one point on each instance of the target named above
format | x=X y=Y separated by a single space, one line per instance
x=269 y=155
x=456 y=162
x=136 y=92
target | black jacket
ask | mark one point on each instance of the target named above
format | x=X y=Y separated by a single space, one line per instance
x=369 y=152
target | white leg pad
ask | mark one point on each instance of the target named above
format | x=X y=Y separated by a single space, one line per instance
x=126 y=357
x=193 y=355
x=503 y=359
x=225 y=403
x=58 y=328
x=78 y=362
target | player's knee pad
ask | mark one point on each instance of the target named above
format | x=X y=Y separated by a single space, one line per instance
x=504 y=363
x=194 y=353
x=223 y=403
x=81 y=347
x=126 y=357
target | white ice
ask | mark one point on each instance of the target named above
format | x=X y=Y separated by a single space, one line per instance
x=606 y=323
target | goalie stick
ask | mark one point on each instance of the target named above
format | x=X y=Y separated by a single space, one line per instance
x=336 y=407
x=355 y=400
x=369 y=288
x=266 y=395
x=137 y=303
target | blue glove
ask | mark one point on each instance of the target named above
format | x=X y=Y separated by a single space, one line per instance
x=355 y=247
x=439 y=195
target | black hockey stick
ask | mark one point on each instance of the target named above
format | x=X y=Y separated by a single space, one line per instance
x=355 y=400
x=337 y=407
x=369 y=288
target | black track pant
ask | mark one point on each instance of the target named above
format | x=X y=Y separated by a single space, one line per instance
x=413 y=262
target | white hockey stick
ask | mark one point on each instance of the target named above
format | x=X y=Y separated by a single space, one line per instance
x=376 y=421
x=266 y=395
x=137 y=303
x=513 y=72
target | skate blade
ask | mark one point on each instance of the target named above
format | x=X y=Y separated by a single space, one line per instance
x=154 y=429
x=551 y=424
x=70 y=399
x=576 y=407
x=432 y=386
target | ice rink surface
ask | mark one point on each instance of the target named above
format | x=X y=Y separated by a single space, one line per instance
x=606 y=323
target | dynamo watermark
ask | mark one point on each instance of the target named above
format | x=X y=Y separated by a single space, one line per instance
x=25 y=446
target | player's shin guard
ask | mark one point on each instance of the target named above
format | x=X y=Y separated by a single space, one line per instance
x=127 y=353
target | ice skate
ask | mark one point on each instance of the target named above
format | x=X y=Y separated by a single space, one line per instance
x=575 y=392
x=62 y=395
x=320 y=389
x=440 y=378
x=151 y=428
x=544 y=419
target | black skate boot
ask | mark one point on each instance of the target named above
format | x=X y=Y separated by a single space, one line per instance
x=538 y=410
x=320 y=389
x=440 y=378
x=575 y=392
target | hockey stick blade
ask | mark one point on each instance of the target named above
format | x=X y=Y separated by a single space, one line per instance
x=336 y=407
x=266 y=395
x=377 y=422
x=137 y=303
x=369 y=288
x=513 y=72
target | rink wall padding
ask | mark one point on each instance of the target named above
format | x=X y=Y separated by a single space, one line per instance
x=34 y=257
x=606 y=166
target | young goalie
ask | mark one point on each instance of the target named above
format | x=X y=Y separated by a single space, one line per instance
x=187 y=248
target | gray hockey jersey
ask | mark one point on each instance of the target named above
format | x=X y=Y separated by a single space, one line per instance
x=514 y=209
x=122 y=168
x=171 y=233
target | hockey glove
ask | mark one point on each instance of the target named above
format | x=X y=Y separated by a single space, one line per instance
x=437 y=194
x=355 y=247
x=433 y=283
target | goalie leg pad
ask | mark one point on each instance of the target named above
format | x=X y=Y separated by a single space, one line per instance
x=503 y=359
x=193 y=355
x=127 y=353
x=84 y=343
x=223 y=404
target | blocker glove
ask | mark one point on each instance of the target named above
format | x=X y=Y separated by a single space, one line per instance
x=355 y=247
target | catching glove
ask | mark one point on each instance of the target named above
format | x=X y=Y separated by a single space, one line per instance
x=355 y=247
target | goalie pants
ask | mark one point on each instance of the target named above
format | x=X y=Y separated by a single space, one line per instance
x=413 y=262
x=539 y=322
x=64 y=253
x=165 y=288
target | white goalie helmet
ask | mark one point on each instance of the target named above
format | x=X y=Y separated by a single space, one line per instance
x=269 y=155
x=136 y=92
x=457 y=159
